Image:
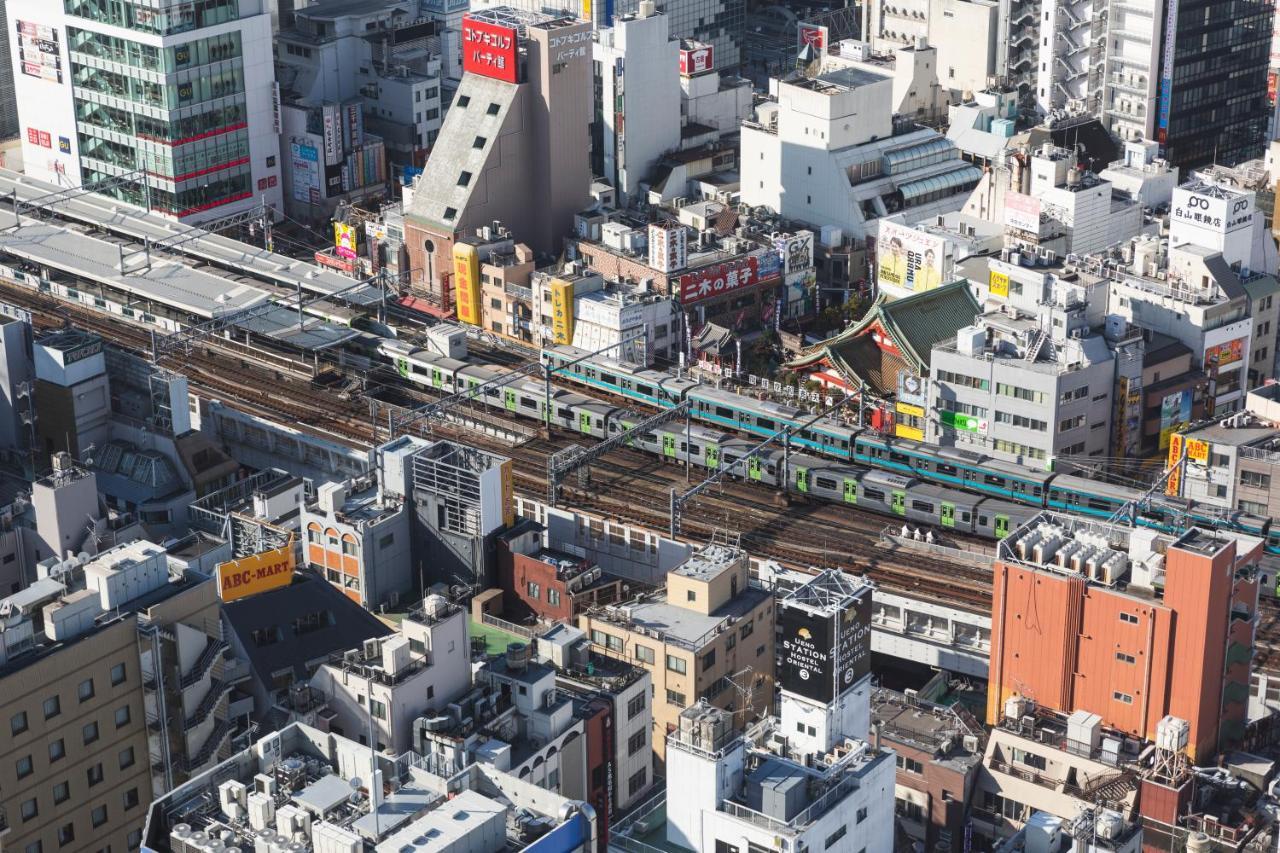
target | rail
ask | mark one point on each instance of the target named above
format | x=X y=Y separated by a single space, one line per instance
x=972 y=555
x=510 y=627
x=217 y=689
x=204 y=663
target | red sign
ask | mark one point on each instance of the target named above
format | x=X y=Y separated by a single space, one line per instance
x=488 y=49
x=326 y=260
x=814 y=36
x=33 y=136
x=695 y=61
x=46 y=141
x=718 y=279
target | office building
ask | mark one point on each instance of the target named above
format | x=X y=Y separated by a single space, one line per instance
x=113 y=692
x=303 y=782
x=1130 y=625
x=381 y=686
x=804 y=779
x=707 y=636
x=8 y=99
x=184 y=95
x=514 y=146
x=638 y=98
x=806 y=157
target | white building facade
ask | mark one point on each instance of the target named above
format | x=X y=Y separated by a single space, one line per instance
x=184 y=93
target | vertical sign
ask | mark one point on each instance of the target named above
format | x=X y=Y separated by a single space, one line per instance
x=466 y=276
x=562 y=311
x=853 y=643
x=1166 y=71
x=805 y=658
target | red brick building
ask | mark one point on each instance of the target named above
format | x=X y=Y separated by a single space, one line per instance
x=545 y=584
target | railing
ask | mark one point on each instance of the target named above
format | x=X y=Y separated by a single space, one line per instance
x=204 y=663
x=217 y=690
x=509 y=627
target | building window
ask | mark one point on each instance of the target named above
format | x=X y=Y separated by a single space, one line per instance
x=644 y=654
x=61 y=793
x=130 y=799
x=450 y=213
x=122 y=716
x=1122 y=697
x=910 y=764
x=66 y=834
x=126 y=757
x=637 y=782
x=18 y=723
x=57 y=750
x=532 y=589
x=636 y=742
x=462 y=101
x=378 y=709
x=135 y=839
x=52 y=707
x=1125 y=658
x=34 y=847
x=674 y=698
x=1255 y=479
x=23 y=767
x=1131 y=618
x=464 y=179
x=90 y=732
x=708 y=660
x=635 y=705
x=676 y=664
x=746 y=630
x=98 y=816
x=479 y=142
x=691 y=595
x=834 y=837
x=29 y=809
x=117 y=675
x=862 y=814
x=493 y=109
x=94 y=774
x=553 y=597
x=85 y=691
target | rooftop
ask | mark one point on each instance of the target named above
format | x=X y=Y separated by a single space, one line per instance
x=709 y=562
x=670 y=623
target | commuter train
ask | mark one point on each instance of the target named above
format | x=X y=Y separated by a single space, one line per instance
x=910 y=499
x=920 y=468
x=946 y=466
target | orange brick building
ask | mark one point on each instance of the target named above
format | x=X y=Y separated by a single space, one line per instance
x=1127 y=624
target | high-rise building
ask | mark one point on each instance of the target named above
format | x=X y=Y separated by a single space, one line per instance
x=513 y=148
x=1131 y=625
x=8 y=101
x=183 y=93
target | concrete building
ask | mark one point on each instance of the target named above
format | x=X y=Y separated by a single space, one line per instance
x=513 y=147
x=917 y=92
x=711 y=97
x=1141 y=636
x=17 y=369
x=805 y=777
x=112 y=686
x=807 y=158
x=707 y=636
x=639 y=98
x=388 y=683
x=938 y=751
x=1023 y=388
x=186 y=96
x=8 y=101
x=1143 y=174
x=301 y=780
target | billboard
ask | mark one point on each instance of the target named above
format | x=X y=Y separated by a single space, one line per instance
x=489 y=49
x=1022 y=212
x=853 y=643
x=805 y=661
x=1175 y=414
x=1166 y=71
x=910 y=388
x=718 y=279
x=999 y=284
x=696 y=60
x=796 y=251
x=39 y=54
x=812 y=35
x=1198 y=451
x=908 y=259
x=251 y=575
x=466 y=280
x=331 y=134
x=344 y=238
x=1224 y=354
x=562 y=311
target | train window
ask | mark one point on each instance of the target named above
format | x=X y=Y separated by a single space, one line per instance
x=722 y=412
x=492 y=392
x=824 y=482
x=599 y=423
x=528 y=403
x=982 y=520
x=898 y=457
x=565 y=413
x=418 y=369
x=964 y=516
x=591 y=372
x=1018 y=486
x=944 y=468
x=608 y=378
x=764 y=423
x=770 y=469
x=922 y=506
x=993 y=480
x=844 y=443
x=1099 y=503
x=874 y=494
x=693 y=448
x=644 y=389
x=1036 y=491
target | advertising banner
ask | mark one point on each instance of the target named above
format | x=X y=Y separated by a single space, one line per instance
x=999 y=284
x=304 y=161
x=812 y=35
x=908 y=259
x=806 y=662
x=251 y=575
x=1224 y=354
x=344 y=238
x=39 y=54
x=696 y=60
x=853 y=643
x=1175 y=414
x=796 y=251
x=910 y=389
x=1022 y=212
x=718 y=279
x=562 y=311
x=488 y=49
x=466 y=279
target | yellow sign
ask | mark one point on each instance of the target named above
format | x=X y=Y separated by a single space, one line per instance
x=999 y=284
x=904 y=431
x=344 y=240
x=1198 y=450
x=251 y=575
x=908 y=409
x=466 y=278
x=1174 y=483
x=562 y=311
x=508 y=494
